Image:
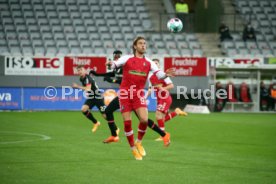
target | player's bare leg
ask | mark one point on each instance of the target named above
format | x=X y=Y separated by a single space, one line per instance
x=87 y=113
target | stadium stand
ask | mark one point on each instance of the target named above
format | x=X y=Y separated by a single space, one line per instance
x=262 y=15
x=82 y=27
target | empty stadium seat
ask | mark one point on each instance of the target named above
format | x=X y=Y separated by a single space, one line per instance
x=174 y=52
x=65 y=26
x=261 y=15
x=197 y=53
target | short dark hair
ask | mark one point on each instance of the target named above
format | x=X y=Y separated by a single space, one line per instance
x=117 y=52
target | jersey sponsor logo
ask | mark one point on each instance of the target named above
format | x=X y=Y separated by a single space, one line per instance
x=134 y=72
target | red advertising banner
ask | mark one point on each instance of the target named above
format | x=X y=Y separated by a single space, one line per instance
x=187 y=66
x=90 y=63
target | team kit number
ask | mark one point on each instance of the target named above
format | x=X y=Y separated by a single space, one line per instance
x=161 y=107
x=143 y=101
x=102 y=108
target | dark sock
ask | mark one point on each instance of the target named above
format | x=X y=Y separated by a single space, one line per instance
x=111 y=124
x=112 y=128
x=110 y=117
x=90 y=116
x=155 y=128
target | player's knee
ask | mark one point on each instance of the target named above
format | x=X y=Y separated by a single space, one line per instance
x=107 y=111
x=143 y=120
x=84 y=108
x=158 y=115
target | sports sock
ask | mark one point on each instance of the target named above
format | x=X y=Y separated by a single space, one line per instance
x=111 y=123
x=170 y=116
x=90 y=116
x=141 y=130
x=155 y=128
x=161 y=124
x=112 y=128
x=129 y=132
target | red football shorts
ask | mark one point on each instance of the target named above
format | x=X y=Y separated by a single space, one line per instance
x=129 y=102
x=163 y=105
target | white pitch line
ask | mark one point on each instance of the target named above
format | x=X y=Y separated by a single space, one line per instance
x=42 y=137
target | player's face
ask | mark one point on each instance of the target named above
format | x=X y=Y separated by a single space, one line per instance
x=157 y=63
x=141 y=46
x=116 y=57
x=81 y=72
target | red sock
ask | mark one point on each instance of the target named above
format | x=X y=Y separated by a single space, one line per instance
x=142 y=130
x=170 y=116
x=129 y=132
x=161 y=124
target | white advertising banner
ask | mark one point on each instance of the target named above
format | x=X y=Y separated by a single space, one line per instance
x=236 y=63
x=34 y=66
x=197 y=109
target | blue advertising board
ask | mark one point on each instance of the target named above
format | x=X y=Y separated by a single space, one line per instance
x=10 y=99
x=49 y=98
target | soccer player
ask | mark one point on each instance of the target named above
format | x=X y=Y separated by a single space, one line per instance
x=93 y=95
x=131 y=95
x=113 y=77
x=161 y=87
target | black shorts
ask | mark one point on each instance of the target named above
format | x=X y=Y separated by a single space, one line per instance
x=113 y=106
x=98 y=102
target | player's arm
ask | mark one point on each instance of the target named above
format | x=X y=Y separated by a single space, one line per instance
x=160 y=74
x=169 y=83
x=168 y=87
x=112 y=80
x=108 y=74
x=149 y=92
x=120 y=62
x=85 y=88
x=118 y=81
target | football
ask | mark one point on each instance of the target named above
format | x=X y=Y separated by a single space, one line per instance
x=175 y=25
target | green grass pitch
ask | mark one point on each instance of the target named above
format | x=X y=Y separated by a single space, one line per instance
x=215 y=148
